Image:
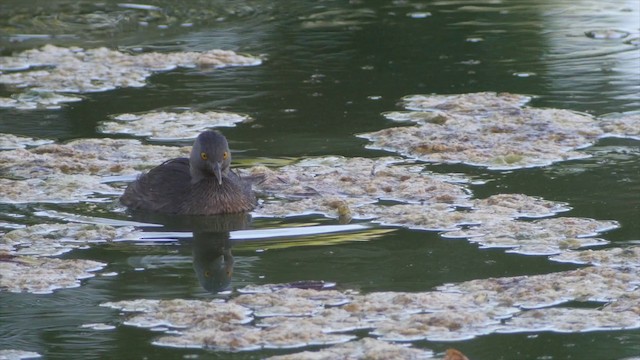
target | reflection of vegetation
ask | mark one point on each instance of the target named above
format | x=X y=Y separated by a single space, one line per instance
x=314 y=240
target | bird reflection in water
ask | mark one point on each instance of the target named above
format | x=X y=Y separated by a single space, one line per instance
x=211 y=245
x=211 y=248
x=212 y=260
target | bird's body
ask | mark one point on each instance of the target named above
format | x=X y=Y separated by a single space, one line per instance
x=203 y=184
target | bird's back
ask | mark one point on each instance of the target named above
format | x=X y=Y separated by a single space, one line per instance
x=168 y=189
x=161 y=189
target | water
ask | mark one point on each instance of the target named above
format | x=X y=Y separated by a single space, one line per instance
x=330 y=69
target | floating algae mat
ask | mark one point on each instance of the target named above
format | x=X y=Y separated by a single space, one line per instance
x=389 y=191
x=57 y=239
x=493 y=130
x=18 y=354
x=347 y=188
x=26 y=264
x=620 y=257
x=76 y=171
x=59 y=70
x=163 y=125
x=366 y=348
x=284 y=317
x=42 y=275
x=10 y=141
x=320 y=184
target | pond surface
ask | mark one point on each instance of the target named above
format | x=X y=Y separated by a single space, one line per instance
x=329 y=70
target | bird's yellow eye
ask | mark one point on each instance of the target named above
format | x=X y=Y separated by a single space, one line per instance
x=225 y=155
x=203 y=155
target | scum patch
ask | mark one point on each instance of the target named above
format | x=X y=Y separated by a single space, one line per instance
x=57 y=239
x=325 y=182
x=10 y=141
x=366 y=348
x=13 y=354
x=493 y=130
x=285 y=317
x=60 y=70
x=26 y=263
x=170 y=126
x=41 y=275
x=617 y=257
x=392 y=193
x=75 y=171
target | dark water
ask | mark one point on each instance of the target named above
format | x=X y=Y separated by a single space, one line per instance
x=331 y=68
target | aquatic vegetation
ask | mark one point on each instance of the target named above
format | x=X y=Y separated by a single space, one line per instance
x=165 y=126
x=492 y=130
x=618 y=257
x=52 y=70
x=10 y=141
x=75 y=171
x=37 y=100
x=18 y=354
x=365 y=348
x=265 y=316
x=56 y=239
x=42 y=275
x=26 y=263
x=356 y=188
x=624 y=125
x=541 y=237
x=326 y=184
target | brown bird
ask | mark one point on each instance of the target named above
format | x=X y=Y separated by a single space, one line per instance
x=203 y=184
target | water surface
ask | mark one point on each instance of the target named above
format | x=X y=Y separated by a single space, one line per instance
x=329 y=70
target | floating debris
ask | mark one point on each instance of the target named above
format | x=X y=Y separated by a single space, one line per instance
x=10 y=141
x=392 y=193
x=333 y=185
x=75 y=171
x=41 y=275
x=600 y=284
x=519 y=206
x=37 y=100
x=98 y=157
x=56 y=239
x=61 y=189
x=541 y=237
x=201 y=313
x=11 y=354
x=98 y=326
x=617 y=257
x=491 y=130
x=439 y=326
x=567 y=320
x=170 y=126
x=53 y=69
x=607 y=34
x=624 y=125
x=279 y=316
x=453 y=354
x=366 y=348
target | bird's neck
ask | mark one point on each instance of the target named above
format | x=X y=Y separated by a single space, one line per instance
x=196 y=175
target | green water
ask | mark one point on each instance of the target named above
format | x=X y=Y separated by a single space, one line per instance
x=331 y=68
